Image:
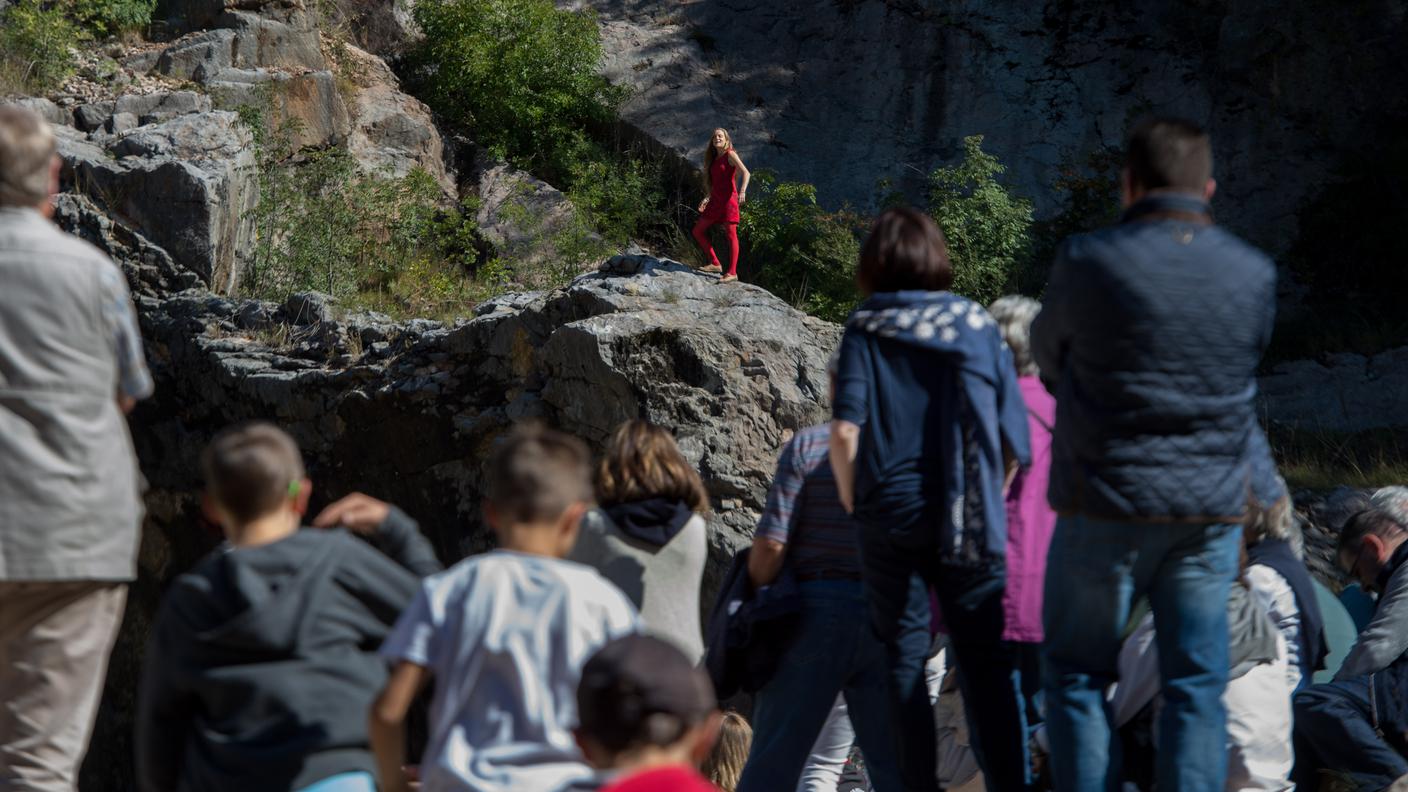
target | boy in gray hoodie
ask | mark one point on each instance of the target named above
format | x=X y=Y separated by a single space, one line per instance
x=262 y=661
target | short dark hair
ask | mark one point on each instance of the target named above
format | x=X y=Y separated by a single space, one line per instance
x=537 y=473
x=1169 y=153
x=905 y=250
x=1363 y=523
x=250 y=470
x=639 y=691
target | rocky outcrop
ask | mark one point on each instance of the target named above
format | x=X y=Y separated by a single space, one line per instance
x=188 y=184
x=154 y=143
x=518 y=213
x=1344 y=393
x=409 y=411
x=843 y=93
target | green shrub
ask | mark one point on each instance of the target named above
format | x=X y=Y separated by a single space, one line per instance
x=987 y=226
x=521 y=75
x=369 y=240
x=112 y=17
x=802 y=253
x=36 y=47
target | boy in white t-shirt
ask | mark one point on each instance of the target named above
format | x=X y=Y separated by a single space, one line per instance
x=504 y=635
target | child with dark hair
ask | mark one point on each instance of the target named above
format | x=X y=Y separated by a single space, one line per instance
x=647 y=716
x=262 y=661
x=504 y=636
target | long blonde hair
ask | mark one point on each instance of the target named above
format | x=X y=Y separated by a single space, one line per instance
x=724 y=765
x=710 y=154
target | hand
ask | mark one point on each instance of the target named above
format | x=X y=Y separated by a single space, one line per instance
x=358 y=512
x=703 y=204
x=742 y=196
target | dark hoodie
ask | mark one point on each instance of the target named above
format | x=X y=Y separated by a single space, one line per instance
x=262 y=662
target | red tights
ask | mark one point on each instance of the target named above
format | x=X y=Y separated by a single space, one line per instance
x=701 y=236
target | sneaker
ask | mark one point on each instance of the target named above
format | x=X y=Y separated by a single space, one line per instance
x=728 y=279
x=711 y=268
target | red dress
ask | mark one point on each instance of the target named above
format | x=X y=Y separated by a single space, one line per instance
x=723 y=194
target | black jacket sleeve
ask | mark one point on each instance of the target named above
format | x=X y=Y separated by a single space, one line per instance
x=165 y=710
x=399 y=537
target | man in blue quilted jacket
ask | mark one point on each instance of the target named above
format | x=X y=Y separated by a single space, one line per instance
x=1149 y=335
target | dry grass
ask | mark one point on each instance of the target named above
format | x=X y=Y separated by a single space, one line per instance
x=1325 y=460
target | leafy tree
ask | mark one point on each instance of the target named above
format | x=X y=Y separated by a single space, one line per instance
x=36 y=41
x=521 y=75
x=805 y=254
x=987 y=226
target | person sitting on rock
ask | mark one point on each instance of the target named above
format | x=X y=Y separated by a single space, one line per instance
x=649 y=537
x=1357 y=725
x=262 y=661
x=504 y=636
x=721 y=166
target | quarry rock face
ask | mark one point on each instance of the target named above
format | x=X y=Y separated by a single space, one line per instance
x=843 y=94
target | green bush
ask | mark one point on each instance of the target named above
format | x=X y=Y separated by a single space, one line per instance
x=112 y=17
x=803 y=253
x=372 y=240
x=36 y=47
x=521 y=75
x=987 y=226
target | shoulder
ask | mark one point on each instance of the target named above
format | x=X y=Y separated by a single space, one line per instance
x=810 y=443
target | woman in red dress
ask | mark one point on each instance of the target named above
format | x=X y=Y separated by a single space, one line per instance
x=721 y=166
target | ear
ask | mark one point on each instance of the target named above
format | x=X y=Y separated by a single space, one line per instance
x=305 y=491
x=704 y=736
x=1127 y=190
x=210 y=510
x=571 y=522
x=1209 y=189
x=591 y=750
x=55 y=167
x=491 y=515
x=1376 y=547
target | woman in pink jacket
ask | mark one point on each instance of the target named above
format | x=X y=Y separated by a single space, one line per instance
x=1030 y=520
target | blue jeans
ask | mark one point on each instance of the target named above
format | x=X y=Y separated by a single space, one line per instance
x=897 y=582
x=1349 y=727
x=1095 y=571
x=832 y=653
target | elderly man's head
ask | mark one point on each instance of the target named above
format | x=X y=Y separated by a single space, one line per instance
x=1367 y=543
x=1393 y=500
x=28 y=167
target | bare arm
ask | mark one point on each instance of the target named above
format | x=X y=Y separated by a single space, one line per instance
x=845 y=441
x=387 y=724
x=743 y=170
x=765 y=561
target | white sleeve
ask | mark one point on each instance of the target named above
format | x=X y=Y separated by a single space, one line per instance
x=1139 y=674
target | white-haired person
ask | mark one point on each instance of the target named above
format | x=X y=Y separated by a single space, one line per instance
x=71 y=365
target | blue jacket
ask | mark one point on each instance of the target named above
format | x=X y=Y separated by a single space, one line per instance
x=927 y=377
x=1149 y=337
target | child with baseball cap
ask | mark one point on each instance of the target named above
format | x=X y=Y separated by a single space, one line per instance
x=647 y=716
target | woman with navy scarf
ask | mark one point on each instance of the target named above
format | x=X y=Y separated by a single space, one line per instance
x=928 y=424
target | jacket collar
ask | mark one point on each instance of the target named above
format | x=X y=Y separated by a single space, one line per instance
x=1168 y=203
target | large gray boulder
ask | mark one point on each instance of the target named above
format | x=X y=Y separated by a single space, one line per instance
x=410 y=411
x=391 y=132
x=188 y=185
x=520 y=214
